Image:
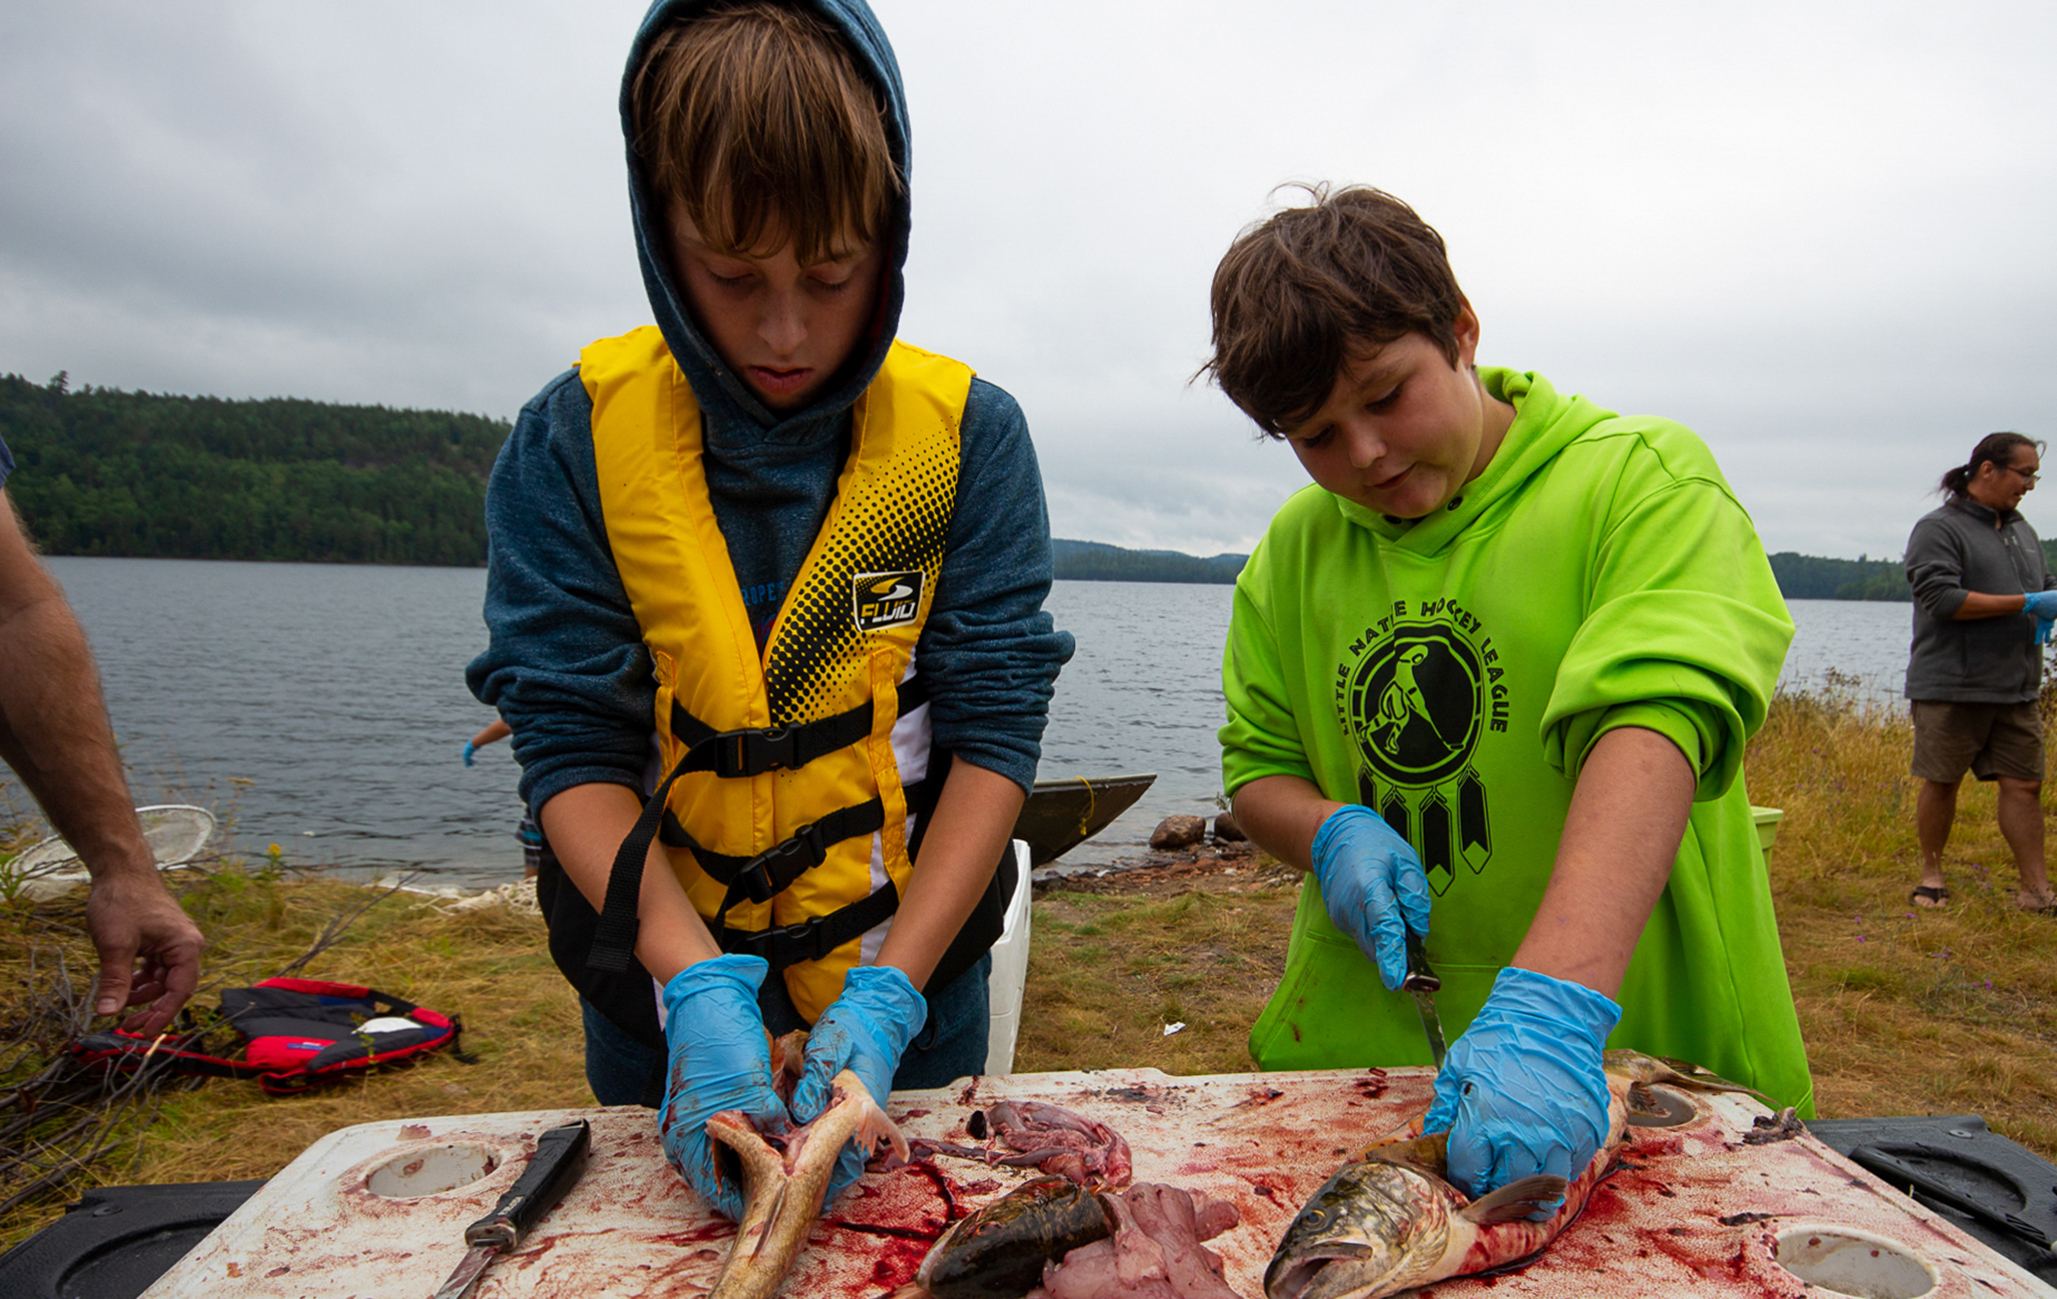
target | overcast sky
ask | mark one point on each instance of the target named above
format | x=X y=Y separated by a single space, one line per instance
x=1823 y=235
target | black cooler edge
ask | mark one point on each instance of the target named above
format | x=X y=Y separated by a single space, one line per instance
x=117 y=1240
x=1997 y=1191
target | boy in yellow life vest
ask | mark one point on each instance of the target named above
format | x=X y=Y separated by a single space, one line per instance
x=765 y=597
x=1494 y=668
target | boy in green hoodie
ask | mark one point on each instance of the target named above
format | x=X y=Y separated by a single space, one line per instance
x=1501 y=659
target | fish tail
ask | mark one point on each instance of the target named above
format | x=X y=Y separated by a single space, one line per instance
x=874 y=1126
x=1646 y=1069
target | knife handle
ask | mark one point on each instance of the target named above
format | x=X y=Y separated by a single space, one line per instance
x=559 y=1159
x=1420 y=978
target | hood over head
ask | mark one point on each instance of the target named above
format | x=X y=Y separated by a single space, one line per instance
x=736 y=419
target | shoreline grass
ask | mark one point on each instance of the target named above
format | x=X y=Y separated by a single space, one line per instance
x=1903 y=1011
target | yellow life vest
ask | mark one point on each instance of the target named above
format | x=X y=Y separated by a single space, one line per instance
x=791 y=804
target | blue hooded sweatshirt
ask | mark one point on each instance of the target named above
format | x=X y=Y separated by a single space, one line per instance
x=566 y=665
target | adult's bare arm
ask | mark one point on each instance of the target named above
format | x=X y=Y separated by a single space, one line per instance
x=54 y=733
x=1982 y=604
x=1621 y=836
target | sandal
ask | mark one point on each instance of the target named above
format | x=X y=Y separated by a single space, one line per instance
x=1931 y=896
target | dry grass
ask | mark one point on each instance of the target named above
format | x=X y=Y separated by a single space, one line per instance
x=1904 y=1012
x=1110 y=971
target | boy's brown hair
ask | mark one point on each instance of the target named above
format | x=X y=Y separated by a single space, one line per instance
x=755 y=120
x=1296 y=295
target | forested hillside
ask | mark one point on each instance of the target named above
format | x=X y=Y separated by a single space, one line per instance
x=1812 y=577
x=101 y=471
x=1096 y=561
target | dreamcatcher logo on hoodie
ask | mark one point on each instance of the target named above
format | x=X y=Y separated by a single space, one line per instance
x=1416 y=692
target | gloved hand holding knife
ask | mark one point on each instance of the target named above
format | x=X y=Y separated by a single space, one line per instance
x=1372 y=885
x=1522 y=1091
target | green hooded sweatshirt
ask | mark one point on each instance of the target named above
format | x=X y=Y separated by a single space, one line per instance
x=1453 y=672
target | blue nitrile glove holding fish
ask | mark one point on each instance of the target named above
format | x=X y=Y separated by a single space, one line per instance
x=1522 y=1091
x=866 y=1031
x=720 y=1060
x=1373 y=886
x=2042 y=604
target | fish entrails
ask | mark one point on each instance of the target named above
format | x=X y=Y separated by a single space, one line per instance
x=1033 y=1134
x=1390 y=1220
x=783 y=1188
x=1154 y=1253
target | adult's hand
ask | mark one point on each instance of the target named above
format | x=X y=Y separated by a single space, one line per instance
x=1373 y=886
x=1522 y=1091
x=720 y=1059
x=2042 y=605
x=54 y=733
x=866 y=1031
x=132 y=917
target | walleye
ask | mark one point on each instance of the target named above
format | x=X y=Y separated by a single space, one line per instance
x=1390 y=1221
x=783 y=1185
x=1002 y=1248
x=1052 y=1239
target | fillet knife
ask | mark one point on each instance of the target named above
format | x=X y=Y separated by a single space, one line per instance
x=559 y=1159
x=1423 y=983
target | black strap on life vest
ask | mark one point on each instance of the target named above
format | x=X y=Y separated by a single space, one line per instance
x=734 y=755
x=772 y=872
x=625 y=998
x=816 y=937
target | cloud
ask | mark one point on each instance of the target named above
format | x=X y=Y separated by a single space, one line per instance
x=1817 y=233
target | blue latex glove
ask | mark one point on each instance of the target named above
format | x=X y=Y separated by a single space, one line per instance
x=1373 y=886
x=720 y=1060
x=1521 y=1092
x=866 y=1031
x=469 y=749
x=2043 y=605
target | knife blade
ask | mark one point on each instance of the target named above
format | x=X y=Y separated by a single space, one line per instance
x=1421 y=981
x=559 y=1159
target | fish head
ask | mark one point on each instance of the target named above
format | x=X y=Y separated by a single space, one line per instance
x=1375 y=1228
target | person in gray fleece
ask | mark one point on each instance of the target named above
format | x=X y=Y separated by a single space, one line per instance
x=1983 y=610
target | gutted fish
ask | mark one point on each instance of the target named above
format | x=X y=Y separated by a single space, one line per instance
x=1032 y=1134
x=1002 y=1248
x=785 y=1178
x=1390 y=1220
x=1154 y=1253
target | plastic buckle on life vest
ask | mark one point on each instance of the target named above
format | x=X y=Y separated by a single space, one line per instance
x=782 y=947
x=755 y=751
x=773 y=871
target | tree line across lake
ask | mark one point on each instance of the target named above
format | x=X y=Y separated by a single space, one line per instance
x=100 y=471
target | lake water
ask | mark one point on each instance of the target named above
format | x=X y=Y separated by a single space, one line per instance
x=323 y=707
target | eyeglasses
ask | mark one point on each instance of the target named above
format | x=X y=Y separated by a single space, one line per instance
x=2026 y=476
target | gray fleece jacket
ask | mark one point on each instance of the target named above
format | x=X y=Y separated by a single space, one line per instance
x=1956 y=549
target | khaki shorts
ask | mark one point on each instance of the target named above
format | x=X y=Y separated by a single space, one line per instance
x=1993 y=740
